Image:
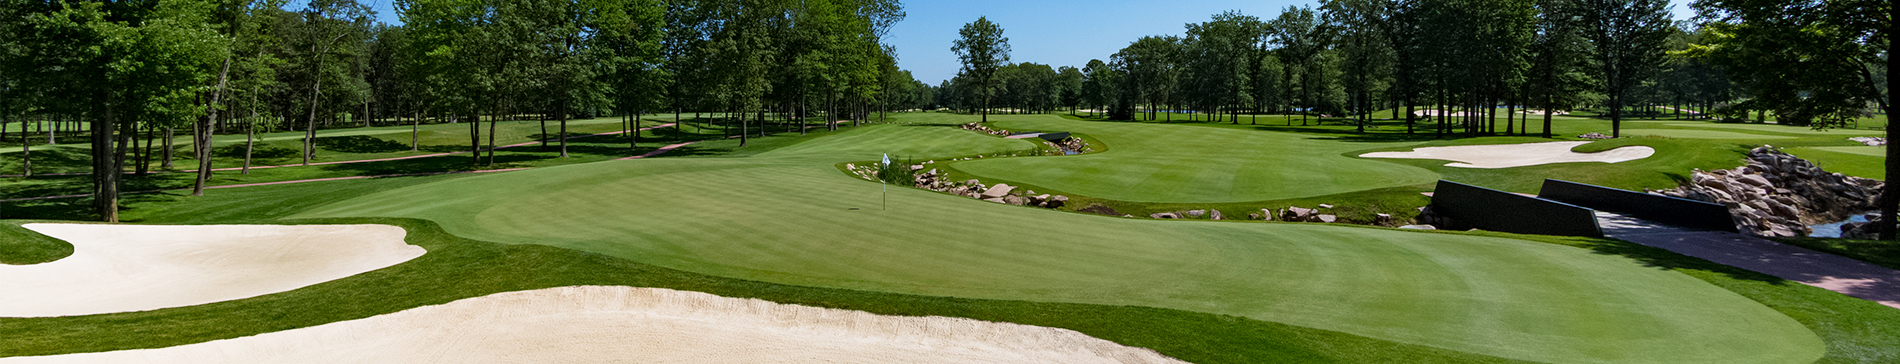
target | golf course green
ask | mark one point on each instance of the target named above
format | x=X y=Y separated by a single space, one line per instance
x=1170 y=163
x=789 y=216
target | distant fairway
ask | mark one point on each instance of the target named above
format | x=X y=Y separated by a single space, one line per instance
x=1702 y=134
x=1171 y=163
x=788 y=216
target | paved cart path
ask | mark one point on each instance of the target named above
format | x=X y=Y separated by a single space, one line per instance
x=1832 y=272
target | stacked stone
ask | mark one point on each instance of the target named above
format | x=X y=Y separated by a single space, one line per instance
x=1000 y=193
x=1780 y=195
x=978 y=127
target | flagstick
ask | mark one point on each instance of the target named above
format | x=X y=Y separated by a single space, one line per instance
x=887 y=195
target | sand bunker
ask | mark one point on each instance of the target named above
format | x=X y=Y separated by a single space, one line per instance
x=649 y=325
x=125 y=268
x=1518 y=155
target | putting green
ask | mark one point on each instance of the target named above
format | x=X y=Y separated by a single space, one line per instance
x=1858 y=161
x=1702 y=134
x=789 y=216
x=1782 y=129
x=1171 y=163
x=1862 y=150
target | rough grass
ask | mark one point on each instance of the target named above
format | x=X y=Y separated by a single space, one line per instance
x=457 y=268
x=788 y=216
x=19 y=246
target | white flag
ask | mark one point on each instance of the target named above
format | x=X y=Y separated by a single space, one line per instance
x=887 y=159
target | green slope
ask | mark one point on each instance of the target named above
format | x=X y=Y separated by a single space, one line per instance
x=789 y=216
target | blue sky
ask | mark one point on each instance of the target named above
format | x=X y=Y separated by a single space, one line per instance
x=1053 y=32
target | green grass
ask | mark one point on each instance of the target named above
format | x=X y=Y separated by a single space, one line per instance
x=19 y=246
x=1861 y=161
x=1702 y=134
x=456 y=268
x=1162 y=163
x=788 y=216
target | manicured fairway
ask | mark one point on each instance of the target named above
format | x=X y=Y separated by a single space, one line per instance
x=789 y=216
x=1858 y=161
x=1702 y=134
x=1172 y=163
x=1782 y=129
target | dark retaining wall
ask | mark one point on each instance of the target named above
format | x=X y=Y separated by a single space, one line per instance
x=1472 y=207
x=1663 y=209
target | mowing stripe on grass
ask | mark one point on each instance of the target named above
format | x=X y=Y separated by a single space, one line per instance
x=790 y=217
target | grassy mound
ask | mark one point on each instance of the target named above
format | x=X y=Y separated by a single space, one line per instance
x=788 y=216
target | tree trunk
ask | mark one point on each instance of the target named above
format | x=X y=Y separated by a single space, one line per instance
x=26 y=147
x=415 y=131
x=475 y=139
x=563 y=129
x=106 y=169
x=1890 y=196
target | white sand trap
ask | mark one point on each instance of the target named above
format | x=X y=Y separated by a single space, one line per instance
x=1518 y=155
x=646 y=325
x=125 y=268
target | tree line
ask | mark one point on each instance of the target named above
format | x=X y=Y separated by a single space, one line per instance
x=121 y=73
x=1817 y=63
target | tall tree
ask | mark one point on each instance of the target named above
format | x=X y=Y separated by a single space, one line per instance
x=118 y=63
x=1812 y=61
x=328 y=26
x=982 y=49
x=1627 y=37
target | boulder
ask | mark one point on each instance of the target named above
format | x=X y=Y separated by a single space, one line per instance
x=1253 y=216
x=1000 y=190
x=1325 y=206
x=1383 y=220
x=1326 y=218
x=1196 y=213
x=1419 y=227
x=996 y=200
x=1297 y=214
x=1165 y=215
x=1215 y=215
x=1016 y=200
x=1266 y=214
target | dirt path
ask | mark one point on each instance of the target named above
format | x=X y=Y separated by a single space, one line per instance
x=1834 y=273
x=594 y=324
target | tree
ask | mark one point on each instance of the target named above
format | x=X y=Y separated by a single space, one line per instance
x=114 y=62
x=1559 y=59
x=1812 y=61
x=1302 y=39
x=1364 y=43
x=982 y=49
x=1628 y=38
x=1098 y=85
x=1219 y=64
x=328 y=26
x=1069 y=86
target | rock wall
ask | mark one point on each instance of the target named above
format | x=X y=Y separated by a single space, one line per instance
x=1780 y=195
